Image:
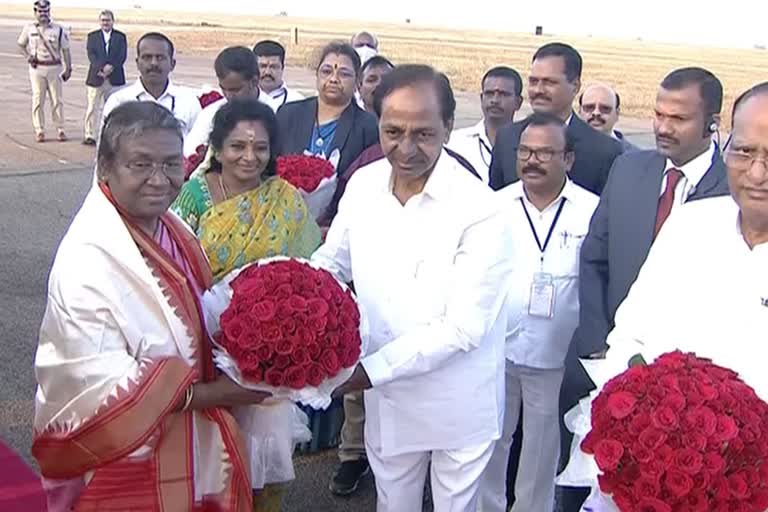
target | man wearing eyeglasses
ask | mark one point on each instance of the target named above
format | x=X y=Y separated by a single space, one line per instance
x=644 y=188
x=600 y=106
x=500 y=98
x=549 y=215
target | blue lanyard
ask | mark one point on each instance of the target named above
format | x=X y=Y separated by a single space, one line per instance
x=543 y=248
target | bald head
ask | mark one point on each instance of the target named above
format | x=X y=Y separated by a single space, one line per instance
x=599 y=106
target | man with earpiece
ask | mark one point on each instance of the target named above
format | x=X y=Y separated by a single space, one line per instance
x=643 y=189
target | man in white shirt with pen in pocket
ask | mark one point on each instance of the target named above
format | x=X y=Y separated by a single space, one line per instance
x=549 y=215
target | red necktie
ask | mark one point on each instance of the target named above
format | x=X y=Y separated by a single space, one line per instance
x=667 y=199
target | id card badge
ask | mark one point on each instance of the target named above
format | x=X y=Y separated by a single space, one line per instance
x=542 y=300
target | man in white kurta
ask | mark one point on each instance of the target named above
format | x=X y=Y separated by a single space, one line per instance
x=431 y=275
x=549 y=215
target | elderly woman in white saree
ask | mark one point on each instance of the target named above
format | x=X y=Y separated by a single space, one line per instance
x=703 y=288
x=130 y=412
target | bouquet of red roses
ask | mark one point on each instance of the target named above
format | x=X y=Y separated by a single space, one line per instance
x=313 y=176
x=681 y=434
x=287 y=327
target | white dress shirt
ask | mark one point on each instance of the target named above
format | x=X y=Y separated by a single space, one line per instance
x=432 y=277
x=182 y=101
x=473 y=144
x=107 y=36
x=693 y=172
x=200 y=133
x=280 y=97
x=703 y=290
x=534 y=341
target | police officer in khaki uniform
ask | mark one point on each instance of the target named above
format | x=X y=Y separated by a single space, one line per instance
x=45 y=45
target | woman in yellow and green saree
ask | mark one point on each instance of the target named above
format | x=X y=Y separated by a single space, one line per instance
x=239 y=209
x=241 y=212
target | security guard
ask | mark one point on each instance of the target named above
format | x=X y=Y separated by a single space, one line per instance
x=45 y=45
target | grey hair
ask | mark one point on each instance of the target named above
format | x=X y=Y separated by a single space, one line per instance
x=130 y=120
x=366 y=33
x=107 y=12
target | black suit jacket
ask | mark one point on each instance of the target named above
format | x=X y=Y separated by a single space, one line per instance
x=356 y=130
x=616 y=246
x=98 y=57
x=595 y=153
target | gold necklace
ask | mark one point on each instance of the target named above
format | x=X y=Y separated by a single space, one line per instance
x=223 y=189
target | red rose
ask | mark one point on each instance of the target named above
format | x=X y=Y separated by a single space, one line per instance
x=333 y=339
x=621 y=404
x=665 y=419
x=350 y=338
x=702 y=481
x=274 y=377
x=624 y=499
x=588 y=444
x=306 y=335
x=759 y=499
x=287 y=327
x=233 y=329
x=646 y=488
x=678 y=484
x=674 y=401
x=270 y=333
x=674 y=360
x=248 y=340
x=300 y=356
x=314 y=351
x=738 y=486
x=641 y=454
x=666 y=456
x=655 y=469
x=330 y=363
x=317 y=308
x=652 y=438
x=608 y=454
x=285 y=347
x=639 y=423
x=281 y=362
x=253 y=374
x=351 y=357
x=652 y=505
x=315 y=375
x=347 y=321
x=264 y=351
x=763 y=470
x=721 y=489
x=708 y=391
x=695 y=441
x=284 y=291
x=317 y=324
x=697 y=501
x=298 y=303
x=264 y=311
x=689 y=461
x=726 y=430
x=701 y=419
x=607 y=483
x=296 y=377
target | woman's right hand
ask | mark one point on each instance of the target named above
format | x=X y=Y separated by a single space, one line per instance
x=224 y=392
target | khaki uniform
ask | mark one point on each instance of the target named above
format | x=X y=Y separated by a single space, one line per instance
x=46 y=76
x=352 y=440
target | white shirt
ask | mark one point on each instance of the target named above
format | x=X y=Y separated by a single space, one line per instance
x=200 y=133
x=182 y=101
x=107 y=37
x=703 y=290
x=280 y=97
x=693 y=172
x=432 y=278
x=534 y=341
x=473 y=144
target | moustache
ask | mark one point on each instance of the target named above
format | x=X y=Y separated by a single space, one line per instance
x=267 y=75
x=540 y=97
x=533 y=169
x=597 y=118
x=667 y=139
x=153 y=70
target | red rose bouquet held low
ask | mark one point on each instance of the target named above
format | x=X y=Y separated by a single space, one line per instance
x=284 y=326
x=313 y=176
x=194 y=160
x=681 y=434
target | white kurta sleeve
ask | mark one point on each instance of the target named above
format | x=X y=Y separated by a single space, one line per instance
x=334 y=254
x=480 y=281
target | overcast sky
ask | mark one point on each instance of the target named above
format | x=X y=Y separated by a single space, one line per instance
x=736 y=23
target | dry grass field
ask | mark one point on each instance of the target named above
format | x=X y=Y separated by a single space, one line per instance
x=633 y=67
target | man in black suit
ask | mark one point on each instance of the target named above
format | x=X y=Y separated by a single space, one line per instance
x=643 y=189
x=553 y=83
x=107 y=51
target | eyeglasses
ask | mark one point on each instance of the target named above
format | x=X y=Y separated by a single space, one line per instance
x=591 y=107
x=543 y=155
x=145 y=169
x=326 y=72
x=744 y=158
